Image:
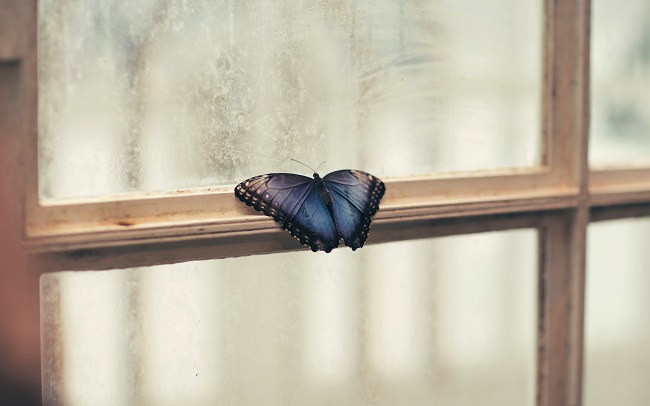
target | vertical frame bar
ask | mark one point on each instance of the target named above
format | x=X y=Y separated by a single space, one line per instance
x=563 y=237
x=29 y=82
x=566 y=94
x=20 y=293
x=52 y=369
x=562 y=248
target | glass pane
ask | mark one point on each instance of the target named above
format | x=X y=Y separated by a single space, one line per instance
x=617 y=330
x=620 y=83
x=160 y=95
x=406 y=323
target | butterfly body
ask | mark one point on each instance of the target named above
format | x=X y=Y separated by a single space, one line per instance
x=319 y=211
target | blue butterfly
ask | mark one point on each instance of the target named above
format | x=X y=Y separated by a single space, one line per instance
x=319 y=211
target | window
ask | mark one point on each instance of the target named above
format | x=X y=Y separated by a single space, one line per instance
x=476 y=117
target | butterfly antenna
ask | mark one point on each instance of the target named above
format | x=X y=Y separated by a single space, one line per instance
x=303 y=164
x=319 y=166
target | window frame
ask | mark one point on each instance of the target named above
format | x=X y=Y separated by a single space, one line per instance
x=78 y=228
x=559 y=199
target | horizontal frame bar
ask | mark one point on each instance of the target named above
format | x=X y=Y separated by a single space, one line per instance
x=267 y=242
x=609 y=213
x=619 y=186
x=221 y=214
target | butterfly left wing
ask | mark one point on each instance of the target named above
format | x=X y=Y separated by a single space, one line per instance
x=355 y=199
x=295 y=202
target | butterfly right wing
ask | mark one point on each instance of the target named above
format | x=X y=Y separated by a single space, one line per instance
x=355 y=199
x=293 y=201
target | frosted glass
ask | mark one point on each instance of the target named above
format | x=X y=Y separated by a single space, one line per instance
x=406 y=323
x=617 y=329
x=620 y=83
x=162 y=95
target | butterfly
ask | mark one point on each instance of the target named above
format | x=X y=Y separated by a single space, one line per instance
x=319 y=211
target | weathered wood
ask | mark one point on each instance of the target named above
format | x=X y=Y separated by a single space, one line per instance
x=563 y=238
x=267 y=242
x=19 y=293
x=243 y=221
x=619 y=186
x=605 y=213
x=561 y=310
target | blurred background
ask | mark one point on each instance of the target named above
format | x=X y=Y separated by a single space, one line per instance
x=161 y=95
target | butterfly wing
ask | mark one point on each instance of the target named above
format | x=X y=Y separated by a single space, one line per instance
x=295 y=202
x=355 y=199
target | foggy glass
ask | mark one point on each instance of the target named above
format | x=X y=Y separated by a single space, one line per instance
x=617 y=320
x=403 y=323
x=620 y=83
x=160 y=95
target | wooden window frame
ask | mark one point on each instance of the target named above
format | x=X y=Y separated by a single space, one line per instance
x=557 y=198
